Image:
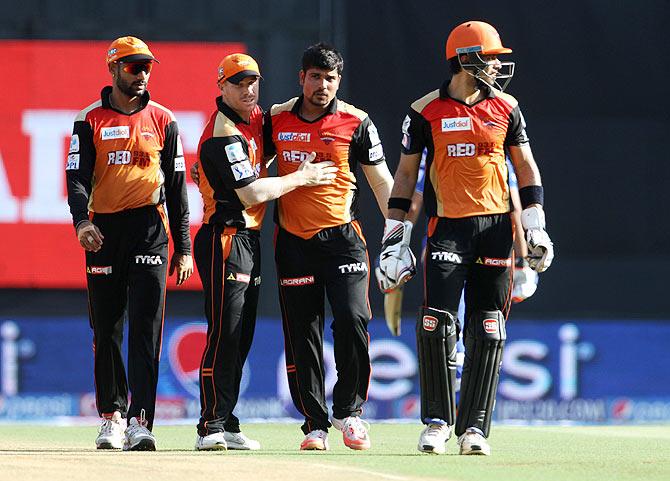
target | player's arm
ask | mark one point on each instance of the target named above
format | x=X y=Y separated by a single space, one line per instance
x=269 y=188
x=79 y=175
x=531 y=194
x=173 y=166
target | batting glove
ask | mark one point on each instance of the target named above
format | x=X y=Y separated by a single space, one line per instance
x=540 y=247
x=525 y=282
x=397 y=264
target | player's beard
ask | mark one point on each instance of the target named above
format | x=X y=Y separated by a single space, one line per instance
x=131 y=89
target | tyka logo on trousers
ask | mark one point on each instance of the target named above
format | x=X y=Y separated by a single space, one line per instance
x=353 y=267
x=151 y=260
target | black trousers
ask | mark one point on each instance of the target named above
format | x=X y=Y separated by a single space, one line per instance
x=334 y=262
x=128 y=273
x=475 y=252
x=229 y=263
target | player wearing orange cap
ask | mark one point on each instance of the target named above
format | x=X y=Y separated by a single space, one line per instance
x=466 y=126
x=233 y=181
x=125 y=162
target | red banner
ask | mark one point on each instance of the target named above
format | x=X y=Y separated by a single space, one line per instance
x=44 y=85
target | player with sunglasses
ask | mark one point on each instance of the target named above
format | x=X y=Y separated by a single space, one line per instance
x=125 y=164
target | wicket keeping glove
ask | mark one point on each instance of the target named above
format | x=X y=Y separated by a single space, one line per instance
x=397 y=264
x=540 y=247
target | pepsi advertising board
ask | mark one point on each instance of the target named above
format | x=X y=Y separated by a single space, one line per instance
x=552 y=371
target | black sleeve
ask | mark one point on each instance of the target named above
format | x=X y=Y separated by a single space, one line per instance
x=516 y=131
x=225 y=161
x=415 y=129
x=269 y=148
x=176 y=198
x=79 y=170
x=366 y=146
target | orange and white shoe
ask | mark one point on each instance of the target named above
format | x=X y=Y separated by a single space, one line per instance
x=316 y=440
x=354 y=432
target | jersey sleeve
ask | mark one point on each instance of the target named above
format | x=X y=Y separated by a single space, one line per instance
x=516 y=132
x=366 y=146
x=269 y=148
x=176 y=198
x=225 y=160
x=79 y=170
x=414 y=133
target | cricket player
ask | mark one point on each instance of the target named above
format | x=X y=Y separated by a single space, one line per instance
x=124 y=165
x=320 y=248
x=466 y=125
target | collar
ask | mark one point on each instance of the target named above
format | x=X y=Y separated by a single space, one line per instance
x=107 y=91
x=229 y=112
x=444 y=93
x=330 y=109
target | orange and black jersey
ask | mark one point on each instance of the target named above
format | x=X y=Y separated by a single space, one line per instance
x=118 y=162
x=344 y=135
x=231 y=157
x=466 y=172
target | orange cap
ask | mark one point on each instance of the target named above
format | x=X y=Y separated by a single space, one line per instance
x=129 y=49
x=476 y=36
x=234 y=67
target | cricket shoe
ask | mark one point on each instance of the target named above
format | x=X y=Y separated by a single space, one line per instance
x=110 y=435
x=433 y=438
x=211 y=442
x=472 y=442
x=138 y=436
x=354 y=432
x=241 y=442
x=316 y=440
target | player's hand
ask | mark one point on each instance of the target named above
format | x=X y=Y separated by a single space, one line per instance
x=397 y=264
x=183 y=265
x=89 y=236
x=195 y=175
x=316 y=173
x=525 y=281
x=540 y=247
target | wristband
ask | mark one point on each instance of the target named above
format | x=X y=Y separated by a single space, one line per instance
x=399 y=203
x=531 y=194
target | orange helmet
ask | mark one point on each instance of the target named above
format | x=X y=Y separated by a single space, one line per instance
x=475 y=36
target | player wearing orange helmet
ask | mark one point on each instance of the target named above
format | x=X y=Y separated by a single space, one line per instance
x=466 y=126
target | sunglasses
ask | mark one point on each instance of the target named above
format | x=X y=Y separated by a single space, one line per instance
x=134 y=68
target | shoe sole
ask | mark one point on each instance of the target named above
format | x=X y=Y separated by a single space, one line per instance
x=241 y=448
x=475 y=451
x=428 y=449
x=358 y=447
x=216 y=447
x=313 y=447
x=143 y=445
x=107 y=446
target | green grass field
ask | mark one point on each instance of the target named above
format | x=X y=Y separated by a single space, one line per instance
x=519 y=453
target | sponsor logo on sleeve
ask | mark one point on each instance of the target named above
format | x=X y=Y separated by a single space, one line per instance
x=235 y=152
x=180 y=147
x=72 y=162
x=296 y=281
x=242 y=170
x=376 y=153
x=374 y=134
x=405 y=125
x=74 y=144
x=179 y=164
x=294 y=136
x=252 y=142
x=456 y=124
x=111 y=133
x=491 y=326
x=429 y=323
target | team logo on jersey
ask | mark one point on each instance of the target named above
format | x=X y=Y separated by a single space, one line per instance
x=72 y=162
x=111 y=133
x=456 y=124
x=242 y=170
x=491 y=326
x=429 y=323
x=294 y=136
